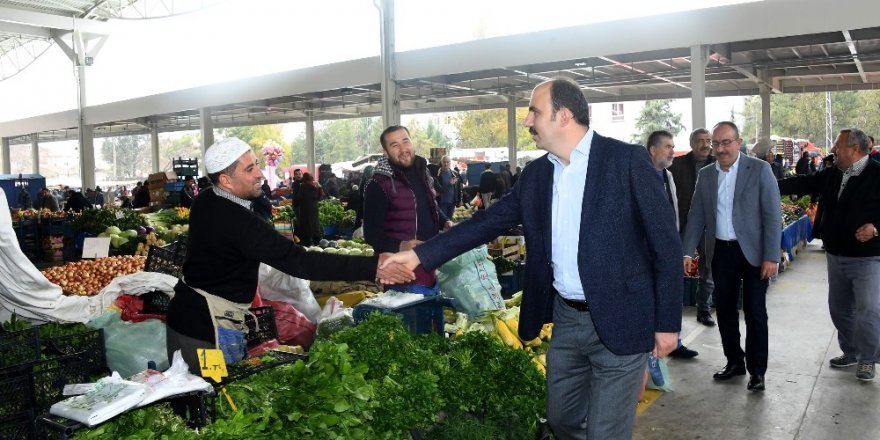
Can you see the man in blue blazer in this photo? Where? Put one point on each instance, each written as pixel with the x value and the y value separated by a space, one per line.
pixel 736 205
pixel 603 263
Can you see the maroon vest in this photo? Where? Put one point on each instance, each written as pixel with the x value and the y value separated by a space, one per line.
pixel 400 221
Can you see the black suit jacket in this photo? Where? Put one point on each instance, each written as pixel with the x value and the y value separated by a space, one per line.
pixel 629 253
pixel 684 173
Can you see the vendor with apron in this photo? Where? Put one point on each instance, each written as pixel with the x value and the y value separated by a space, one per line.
pixel 227 243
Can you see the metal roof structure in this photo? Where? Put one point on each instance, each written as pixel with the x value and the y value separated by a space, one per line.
pixel 818 48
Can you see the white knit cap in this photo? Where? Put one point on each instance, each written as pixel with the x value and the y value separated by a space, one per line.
pixel 222 154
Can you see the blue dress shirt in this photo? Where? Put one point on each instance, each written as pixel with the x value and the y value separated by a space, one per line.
pixel 568 195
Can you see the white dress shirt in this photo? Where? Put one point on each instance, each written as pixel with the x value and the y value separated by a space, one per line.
pixel 724 207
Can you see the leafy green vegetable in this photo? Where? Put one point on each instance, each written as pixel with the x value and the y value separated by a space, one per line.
pixel 331 213
pixel 15 324
pixel 153 422
pixel 96 221
pixel 406 372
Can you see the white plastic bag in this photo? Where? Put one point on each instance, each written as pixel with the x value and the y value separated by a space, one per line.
pixel 470 278
pixel 110 397
pixel 176 380
pixel 279 286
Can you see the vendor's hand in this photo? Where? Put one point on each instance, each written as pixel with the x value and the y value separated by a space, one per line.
pixel 688 264
pixel 768 269
pixel 409 245
pixel 393 272
pixel 865 232
pixel 408 259
pixel 449 224
pixel 664 343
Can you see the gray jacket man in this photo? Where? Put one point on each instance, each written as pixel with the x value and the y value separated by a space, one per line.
pixel 736 205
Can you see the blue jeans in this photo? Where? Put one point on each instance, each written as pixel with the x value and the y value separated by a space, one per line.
pixel 854 303
pixel 591 392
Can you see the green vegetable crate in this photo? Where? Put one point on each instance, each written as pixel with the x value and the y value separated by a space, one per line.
pixel 422 316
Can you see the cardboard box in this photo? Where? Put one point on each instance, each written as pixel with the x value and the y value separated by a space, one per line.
pixel 157 180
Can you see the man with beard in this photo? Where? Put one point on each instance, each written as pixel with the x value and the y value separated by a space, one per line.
pixel 587 205
pixel 400 205
pixel 227 242
pixel 661 148
pixel 736 208
pixel 684 170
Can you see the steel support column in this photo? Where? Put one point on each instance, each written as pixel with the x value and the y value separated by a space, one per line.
pixel 207 127
pixel 699 58
pixel 154 147
pixel 511 133
pixel 765 113
pixel 390 93
pixel 87 156
pixel 6 155
pixel 35 154
pixel 310 144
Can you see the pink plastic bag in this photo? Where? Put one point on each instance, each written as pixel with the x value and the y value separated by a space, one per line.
pixel 294 328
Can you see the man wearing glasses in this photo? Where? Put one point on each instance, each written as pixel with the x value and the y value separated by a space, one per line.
pixel 736 205
pixel 684 171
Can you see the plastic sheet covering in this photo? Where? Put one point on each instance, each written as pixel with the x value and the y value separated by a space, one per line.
pixel 26 292
pixel 131 346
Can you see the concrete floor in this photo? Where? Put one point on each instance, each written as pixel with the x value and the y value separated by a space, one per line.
pixel 805 398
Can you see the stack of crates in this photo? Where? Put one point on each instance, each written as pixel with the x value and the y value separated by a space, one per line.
pixel 33 372
pixel 183 168
pixel 27 230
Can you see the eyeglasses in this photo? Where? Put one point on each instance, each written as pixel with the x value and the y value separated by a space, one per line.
pixel 725 142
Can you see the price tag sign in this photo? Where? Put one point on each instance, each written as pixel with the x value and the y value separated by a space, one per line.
pixel 96 247
pixel 212 364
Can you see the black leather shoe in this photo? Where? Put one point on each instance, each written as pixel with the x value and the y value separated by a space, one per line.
pixel 730 370
pixel 683 353
pixel 756 383
pixel 705 318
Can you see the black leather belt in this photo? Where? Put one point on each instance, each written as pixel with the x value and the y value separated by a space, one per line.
pixel 580 306
pixel 728 243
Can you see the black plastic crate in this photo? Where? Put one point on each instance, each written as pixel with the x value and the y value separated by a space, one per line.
pixel 16 395
pixel 185 167
pixel 17 427
pixel 156 302
pixel 87 348
pixel 49 378
pixel 19 348
pixel 165 260
pixel 56 226
pixel 266 331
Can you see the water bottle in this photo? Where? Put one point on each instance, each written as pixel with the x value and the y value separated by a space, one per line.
pixel 654 370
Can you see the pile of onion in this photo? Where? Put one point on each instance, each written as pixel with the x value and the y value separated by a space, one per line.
pixel 88 277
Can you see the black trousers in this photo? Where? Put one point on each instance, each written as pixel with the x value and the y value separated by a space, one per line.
pixel 729 268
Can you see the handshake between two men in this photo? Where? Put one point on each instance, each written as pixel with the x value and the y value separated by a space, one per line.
pixel 397 268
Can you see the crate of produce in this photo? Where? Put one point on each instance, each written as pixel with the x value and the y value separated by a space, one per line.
pixel 263 329
pixel 16 395
pixel 56 226
pixel 19 348
pixel 87 348
pixel 420 316
pixel 167 260
pixel 50 376
pixel 17 427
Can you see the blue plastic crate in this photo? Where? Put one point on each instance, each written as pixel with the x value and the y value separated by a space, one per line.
pixel 422 316
pixel 175 186
pixel 511 282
